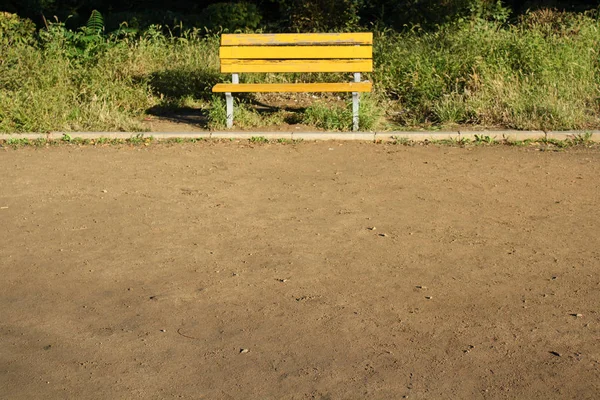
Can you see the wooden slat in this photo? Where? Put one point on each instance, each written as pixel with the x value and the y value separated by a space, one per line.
pixel 292 87
pixel 296 52
pixel 275 39
pixel 240 66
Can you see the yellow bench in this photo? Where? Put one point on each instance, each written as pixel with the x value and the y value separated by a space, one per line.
pixel 291 52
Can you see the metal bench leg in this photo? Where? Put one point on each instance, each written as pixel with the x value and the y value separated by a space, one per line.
pixel 229 101
pixel 235 78
pixel 355 104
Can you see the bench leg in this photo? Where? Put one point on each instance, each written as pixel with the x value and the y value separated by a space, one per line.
pixel 355 104
pixel 229 102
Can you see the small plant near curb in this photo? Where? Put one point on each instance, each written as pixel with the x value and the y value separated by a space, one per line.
pixel 259 139
pixel 483 139
pixel 556 142
pixel 519 143
pixel 137 139
pixel 581 138
pixel 16 143
pixel 403 141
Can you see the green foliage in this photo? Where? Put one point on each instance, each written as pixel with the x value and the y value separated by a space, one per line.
pixel 329 117
pixel 55 85
pixel 15 31
pixel 81 45
pixel 217 114
pixel 543 72
pixel 338 118
pixel 231 16
pixel 243 116
pixel 526 76
pixel 320 15
pixel 95 24
pixel 429 14
pixel 369 113
pixel 258 139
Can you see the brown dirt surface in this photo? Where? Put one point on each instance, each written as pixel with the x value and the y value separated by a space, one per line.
pixel 299 271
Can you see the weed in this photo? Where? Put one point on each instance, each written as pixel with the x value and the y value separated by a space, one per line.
pixel 555 142
pixel 17 142
pixel 404 141
pixel 483 139
pixel 581 138
pixel 39 142
pixel 243 116
pixel 335 117
pixel 328 117
pixel 259 139
pixel 217 113
pixel 137 139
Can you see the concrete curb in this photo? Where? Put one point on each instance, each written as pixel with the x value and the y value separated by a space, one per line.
pixel 415 136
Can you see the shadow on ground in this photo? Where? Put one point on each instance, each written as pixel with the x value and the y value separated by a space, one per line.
pixel 178 88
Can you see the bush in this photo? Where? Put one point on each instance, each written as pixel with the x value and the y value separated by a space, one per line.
pixel 320 15
pixel 231 16
pixel 429 14
pixel 15 31
pixel 54 87
pixel 527 76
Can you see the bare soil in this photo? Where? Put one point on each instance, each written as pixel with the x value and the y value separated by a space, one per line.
pixel 307 271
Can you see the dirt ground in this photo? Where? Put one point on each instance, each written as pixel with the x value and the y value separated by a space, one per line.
pixel 299 271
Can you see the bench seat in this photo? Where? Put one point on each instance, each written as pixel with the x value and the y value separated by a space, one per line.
pixel 292 87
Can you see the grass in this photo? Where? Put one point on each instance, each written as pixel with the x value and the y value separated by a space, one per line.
pixel 533 75
pixel 337 118
pixel 540 73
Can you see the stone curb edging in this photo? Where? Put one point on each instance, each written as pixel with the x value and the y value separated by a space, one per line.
pixel 313 136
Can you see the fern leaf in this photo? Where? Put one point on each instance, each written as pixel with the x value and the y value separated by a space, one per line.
pixel 96 22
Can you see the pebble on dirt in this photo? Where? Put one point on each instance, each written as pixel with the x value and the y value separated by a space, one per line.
pixel 244 351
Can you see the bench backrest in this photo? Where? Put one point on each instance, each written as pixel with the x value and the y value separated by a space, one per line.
pixel 296 52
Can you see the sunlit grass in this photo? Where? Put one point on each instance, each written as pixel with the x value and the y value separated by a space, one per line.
pixel 537 74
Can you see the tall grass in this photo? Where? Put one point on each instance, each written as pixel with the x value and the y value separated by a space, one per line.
pixel 107 85
pixel 541 73
pixel 534 75
pixel 337 118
